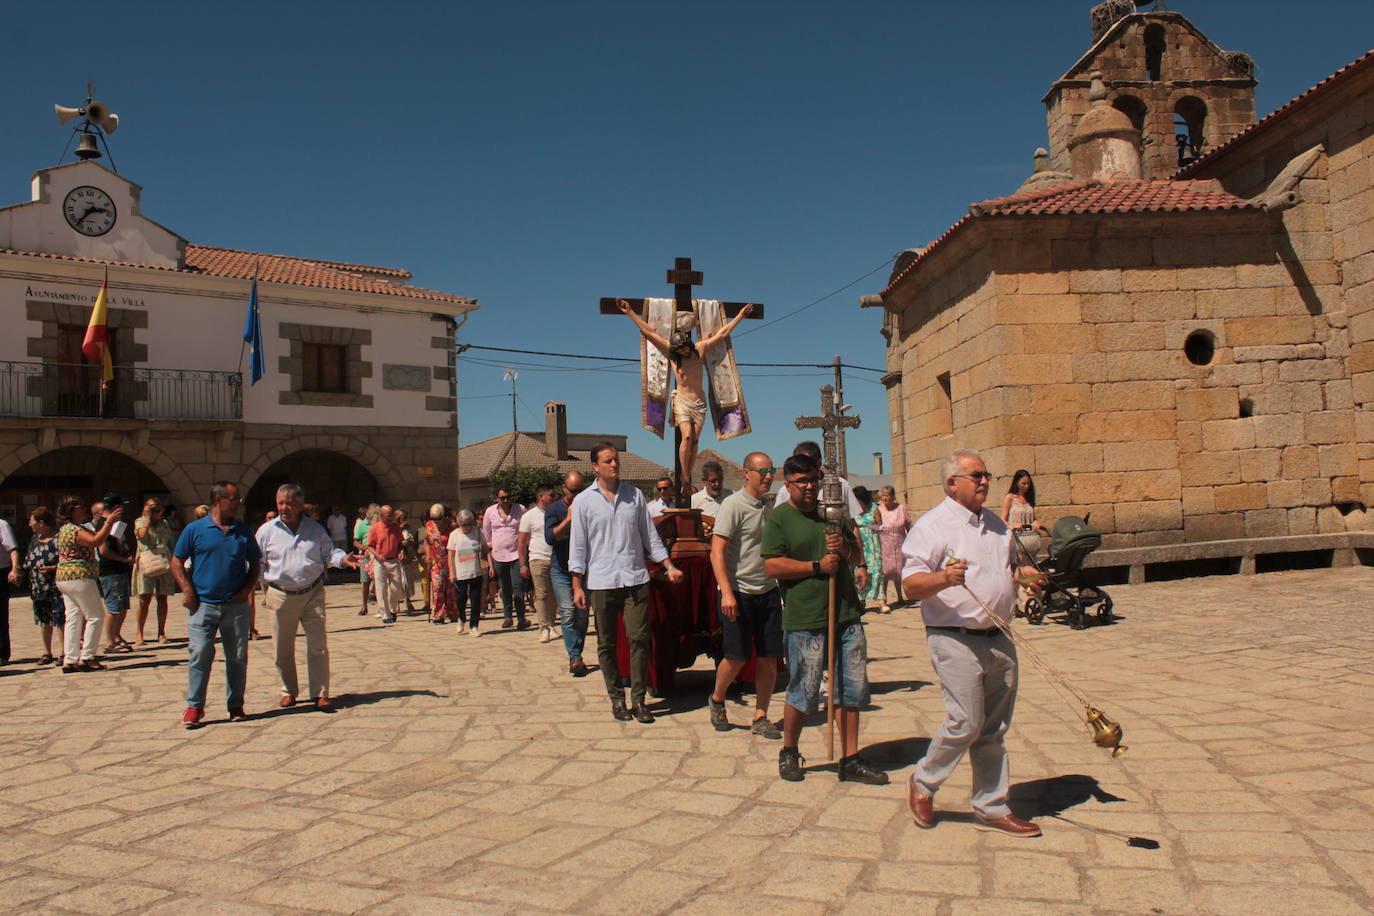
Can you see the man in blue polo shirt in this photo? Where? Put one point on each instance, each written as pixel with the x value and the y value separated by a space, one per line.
pixel 224 571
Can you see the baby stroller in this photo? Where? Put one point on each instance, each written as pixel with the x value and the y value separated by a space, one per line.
pixel 1065 590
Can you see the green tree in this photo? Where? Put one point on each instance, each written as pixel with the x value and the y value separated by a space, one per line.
pixel 522 481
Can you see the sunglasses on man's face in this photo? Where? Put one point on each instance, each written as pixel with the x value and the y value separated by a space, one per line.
pixel 976 476
pixel 664 488
pixel 763 472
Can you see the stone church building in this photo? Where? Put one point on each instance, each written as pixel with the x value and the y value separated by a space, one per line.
pixel 357 402
pixel 1170 323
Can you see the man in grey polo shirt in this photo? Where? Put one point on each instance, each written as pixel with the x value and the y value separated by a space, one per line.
pixel 750 604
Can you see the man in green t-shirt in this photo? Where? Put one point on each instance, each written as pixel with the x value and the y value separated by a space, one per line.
pixel 802 556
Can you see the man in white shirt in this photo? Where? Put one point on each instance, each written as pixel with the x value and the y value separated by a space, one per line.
pixel 296 551
pixel 664 488
pixel 956 551
pixel 612 538
pixel 708 499
pixel 813 451
pixel 9 575
pixel 535 554
pixel 337 526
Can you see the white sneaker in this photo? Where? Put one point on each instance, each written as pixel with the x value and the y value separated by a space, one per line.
pixel 462 628
pixel 545 634
pixel 476 632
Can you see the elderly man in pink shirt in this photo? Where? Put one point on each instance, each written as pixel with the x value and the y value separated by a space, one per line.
pixel 501 528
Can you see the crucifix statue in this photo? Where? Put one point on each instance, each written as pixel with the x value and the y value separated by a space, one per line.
pixel 665 327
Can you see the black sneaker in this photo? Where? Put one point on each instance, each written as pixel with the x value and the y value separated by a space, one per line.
pixel 856 769
pixel 790 763
pixel 719 720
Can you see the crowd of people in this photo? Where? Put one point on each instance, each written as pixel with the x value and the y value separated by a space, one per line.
pixel 584 551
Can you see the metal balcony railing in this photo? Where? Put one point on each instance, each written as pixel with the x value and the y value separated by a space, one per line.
pixel 35 389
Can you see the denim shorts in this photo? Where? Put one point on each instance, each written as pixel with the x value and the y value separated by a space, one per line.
pixel 806 658
pixel 115 590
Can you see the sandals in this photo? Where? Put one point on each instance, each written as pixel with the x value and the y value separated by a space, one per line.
pixel 120 647
pixel 254 634
pixel 45 659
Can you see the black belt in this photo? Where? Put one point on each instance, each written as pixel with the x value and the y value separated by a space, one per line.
pixel 967 631
pixel 296 591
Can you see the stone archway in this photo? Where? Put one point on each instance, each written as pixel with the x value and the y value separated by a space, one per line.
pixel 388 479
pixel 85 471
pixel 329 479
pixel 135 446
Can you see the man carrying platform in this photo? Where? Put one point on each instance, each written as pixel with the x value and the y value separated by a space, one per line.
pixel 750 603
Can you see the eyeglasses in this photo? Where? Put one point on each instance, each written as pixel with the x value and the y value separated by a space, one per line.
pixel 711 480
pixel 763 472
pixel 805 482
pixel 663 488
pixel 975 476
pixel 503 498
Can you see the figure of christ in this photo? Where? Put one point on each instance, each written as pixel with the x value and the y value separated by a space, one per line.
pixel 688 404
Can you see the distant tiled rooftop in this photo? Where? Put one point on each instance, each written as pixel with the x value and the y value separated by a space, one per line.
pixel 282 269
pixel 478 460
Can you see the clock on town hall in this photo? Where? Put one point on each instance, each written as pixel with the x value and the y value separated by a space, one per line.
pixel 89 210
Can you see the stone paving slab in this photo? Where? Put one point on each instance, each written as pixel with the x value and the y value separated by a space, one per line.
pixel 469 775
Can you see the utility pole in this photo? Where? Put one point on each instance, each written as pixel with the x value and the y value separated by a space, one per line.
pixel 840 408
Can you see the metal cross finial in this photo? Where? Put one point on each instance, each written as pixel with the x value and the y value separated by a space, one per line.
pixel 832 426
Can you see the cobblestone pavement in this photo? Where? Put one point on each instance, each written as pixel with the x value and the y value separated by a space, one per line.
pixel 466 775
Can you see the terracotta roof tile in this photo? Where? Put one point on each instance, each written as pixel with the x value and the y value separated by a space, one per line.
pixel 1279 114
pixel 1081 198
pixel 479 459
pixel 276 268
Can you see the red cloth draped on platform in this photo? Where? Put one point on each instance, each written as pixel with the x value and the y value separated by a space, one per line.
pixel 682 618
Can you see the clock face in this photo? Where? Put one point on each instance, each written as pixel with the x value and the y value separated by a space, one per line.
pixel 89 210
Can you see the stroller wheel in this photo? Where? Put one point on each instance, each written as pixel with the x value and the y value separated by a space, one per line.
pixel 1077 618
pixel 1035 611
pixel 1104 612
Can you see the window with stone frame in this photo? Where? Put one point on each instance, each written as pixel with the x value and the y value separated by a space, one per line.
pixel 324 367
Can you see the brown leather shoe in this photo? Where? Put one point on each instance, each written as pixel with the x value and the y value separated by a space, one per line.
pixel 922 807
pixel 323 704
pixel 287 701
pixel 1009 824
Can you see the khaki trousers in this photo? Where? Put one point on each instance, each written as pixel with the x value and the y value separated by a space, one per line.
pixel 305 611
pixel 543 592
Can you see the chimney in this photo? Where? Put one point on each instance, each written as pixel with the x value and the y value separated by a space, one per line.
pixel 878 464
pixel 556 430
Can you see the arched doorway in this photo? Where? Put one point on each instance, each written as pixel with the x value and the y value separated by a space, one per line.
pixel 329 479
pixel 86 471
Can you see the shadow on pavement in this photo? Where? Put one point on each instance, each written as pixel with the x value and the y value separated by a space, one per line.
pixel 1055 795
pixel 894 755
pixel 350 700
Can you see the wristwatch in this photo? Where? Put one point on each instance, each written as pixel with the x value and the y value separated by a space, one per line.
pixel 815 569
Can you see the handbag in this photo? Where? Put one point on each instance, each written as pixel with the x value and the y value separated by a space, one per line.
pixel 152 564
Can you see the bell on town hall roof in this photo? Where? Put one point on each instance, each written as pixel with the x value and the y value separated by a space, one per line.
pixel 97 123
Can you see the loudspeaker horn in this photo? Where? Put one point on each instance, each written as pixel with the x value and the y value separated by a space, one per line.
pixel 65 114
pixel 99 114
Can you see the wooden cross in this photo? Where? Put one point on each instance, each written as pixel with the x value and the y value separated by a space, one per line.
pixel 832 426
pixel 683 278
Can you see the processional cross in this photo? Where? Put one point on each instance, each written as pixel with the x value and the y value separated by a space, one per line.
pixel 832 426
pixel 683 278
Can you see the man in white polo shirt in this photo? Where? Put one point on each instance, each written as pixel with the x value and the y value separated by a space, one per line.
pixel 956 544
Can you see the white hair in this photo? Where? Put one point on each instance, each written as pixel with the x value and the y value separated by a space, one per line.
pixel 950 466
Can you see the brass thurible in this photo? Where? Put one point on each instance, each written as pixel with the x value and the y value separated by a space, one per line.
pixel 1106 732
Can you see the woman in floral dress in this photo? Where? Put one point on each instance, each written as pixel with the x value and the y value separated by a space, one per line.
pixel 40 565
pixel 437 529
pixel 867 525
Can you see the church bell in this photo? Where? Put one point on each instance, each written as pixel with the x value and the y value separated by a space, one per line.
pixel 86 148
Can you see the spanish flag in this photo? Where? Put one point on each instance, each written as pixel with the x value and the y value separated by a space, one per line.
pixel 96 346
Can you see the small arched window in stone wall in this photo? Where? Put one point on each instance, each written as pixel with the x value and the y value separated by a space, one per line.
pixel 1154 51
pixel 1190 127
pixel 1200 347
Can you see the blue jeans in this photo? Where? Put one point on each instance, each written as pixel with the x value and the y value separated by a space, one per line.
pixel 573 621
pixel 806 662
pixel 512 586
pixel 231 620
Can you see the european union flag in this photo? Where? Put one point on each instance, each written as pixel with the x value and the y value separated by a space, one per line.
pixel 252 335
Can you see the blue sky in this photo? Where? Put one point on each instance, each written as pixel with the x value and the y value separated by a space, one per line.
pixel 541 155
